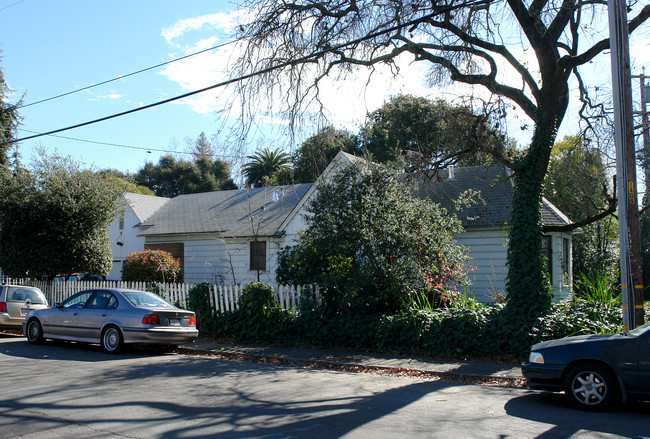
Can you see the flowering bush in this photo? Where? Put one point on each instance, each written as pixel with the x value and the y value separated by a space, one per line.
pixel 151 266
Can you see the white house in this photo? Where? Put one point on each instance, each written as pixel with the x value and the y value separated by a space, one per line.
pixel 124 230
pixel 225 237
pixel 234 236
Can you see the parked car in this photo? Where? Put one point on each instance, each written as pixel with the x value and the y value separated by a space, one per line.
pixel 16 302
pixel 112 318
pixel 594 371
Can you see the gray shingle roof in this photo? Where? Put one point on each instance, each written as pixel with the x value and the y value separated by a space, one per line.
pixel 495 184
pixel 144 205
pixel 227 212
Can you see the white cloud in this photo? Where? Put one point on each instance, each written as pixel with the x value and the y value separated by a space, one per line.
pixel 220 20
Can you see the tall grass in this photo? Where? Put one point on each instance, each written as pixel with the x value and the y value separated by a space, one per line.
pixel 599 288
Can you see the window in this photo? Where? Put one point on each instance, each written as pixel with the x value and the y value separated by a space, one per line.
pixel 547 245
pixel 566 260
pixel 258 255
pixel 121 224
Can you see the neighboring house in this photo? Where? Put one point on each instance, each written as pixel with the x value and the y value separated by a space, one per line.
pixel 486 227
pixel 225 237
pixel 124 232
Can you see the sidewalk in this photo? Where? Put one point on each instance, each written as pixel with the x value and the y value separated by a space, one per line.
pixel 508 373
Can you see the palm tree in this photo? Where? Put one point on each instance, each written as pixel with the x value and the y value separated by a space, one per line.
pixel 265 163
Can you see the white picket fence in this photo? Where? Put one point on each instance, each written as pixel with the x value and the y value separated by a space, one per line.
pixel 223 298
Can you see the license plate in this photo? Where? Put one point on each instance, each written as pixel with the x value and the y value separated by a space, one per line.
pixel 24 312
pixel 174 322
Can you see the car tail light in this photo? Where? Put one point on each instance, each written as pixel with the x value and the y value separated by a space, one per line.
pixel 151 319
pixel 193 321
pixel 3 306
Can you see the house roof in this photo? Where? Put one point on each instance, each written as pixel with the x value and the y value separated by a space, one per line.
pixel 496 187
pixel 234 213
pixel 144 205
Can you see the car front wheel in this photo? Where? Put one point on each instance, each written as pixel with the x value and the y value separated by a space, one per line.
pixel 34 332
pixel 590 386
pixel 112 340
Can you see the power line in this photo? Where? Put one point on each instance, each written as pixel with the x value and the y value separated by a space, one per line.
pixel 257 73
pixel 13 4
pixel 141 148
pixel 219 46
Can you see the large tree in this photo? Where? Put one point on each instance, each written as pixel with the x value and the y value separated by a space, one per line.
pixel 54 220
pixel 172 177
pixel 372 246
pixel 430 133
pixel 313 156
pixel 9 120
pixel 472 43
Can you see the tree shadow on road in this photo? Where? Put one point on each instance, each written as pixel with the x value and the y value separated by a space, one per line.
pixel 554 409
pixel 228 398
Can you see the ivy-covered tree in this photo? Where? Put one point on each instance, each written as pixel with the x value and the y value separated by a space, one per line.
pixel 54 220
pixel 372 246
pixel 172 177
pixel 313 156
pixel 430 133
pixel 477 44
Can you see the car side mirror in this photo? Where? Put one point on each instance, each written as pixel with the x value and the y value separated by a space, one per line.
pixel 57 305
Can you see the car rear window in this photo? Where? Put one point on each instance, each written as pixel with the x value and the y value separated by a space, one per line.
pixel 22 294
pixel 141 298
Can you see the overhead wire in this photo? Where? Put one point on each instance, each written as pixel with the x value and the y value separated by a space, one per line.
pixel 117 78
pixel 256 73
pixel 141 148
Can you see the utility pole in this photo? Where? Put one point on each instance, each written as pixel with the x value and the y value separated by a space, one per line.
pixel 628 211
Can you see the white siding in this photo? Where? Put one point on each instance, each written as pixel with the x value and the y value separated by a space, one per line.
pixel 218 261
pixel 127 237
pixel 488 252
pixel 487 267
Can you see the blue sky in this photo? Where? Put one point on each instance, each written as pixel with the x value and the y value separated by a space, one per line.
pixel 52 47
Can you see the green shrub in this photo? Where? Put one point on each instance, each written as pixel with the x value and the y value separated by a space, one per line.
pixel 151 266
pixel 198 300
pixel 475 330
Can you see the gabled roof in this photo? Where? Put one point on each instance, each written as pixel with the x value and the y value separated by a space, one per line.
pixel 234 213
pixel 341 160
pixel 144 205
pixel 496 186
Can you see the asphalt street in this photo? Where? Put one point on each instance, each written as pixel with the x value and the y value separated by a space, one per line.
pixel 76 391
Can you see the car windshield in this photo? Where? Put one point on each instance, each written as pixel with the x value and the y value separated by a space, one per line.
pixel 141 298
pixel 24 294
pixel 640 330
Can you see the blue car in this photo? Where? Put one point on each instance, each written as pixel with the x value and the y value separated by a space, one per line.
pixel 594 371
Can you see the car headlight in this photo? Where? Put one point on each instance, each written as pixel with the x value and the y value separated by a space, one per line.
pixel 536 357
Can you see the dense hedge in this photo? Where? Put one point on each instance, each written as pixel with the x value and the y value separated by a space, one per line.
pixel 472 332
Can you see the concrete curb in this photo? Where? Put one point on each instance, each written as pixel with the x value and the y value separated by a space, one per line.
pixel 496 381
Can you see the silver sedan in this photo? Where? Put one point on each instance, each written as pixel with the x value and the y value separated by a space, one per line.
pixel 112 318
